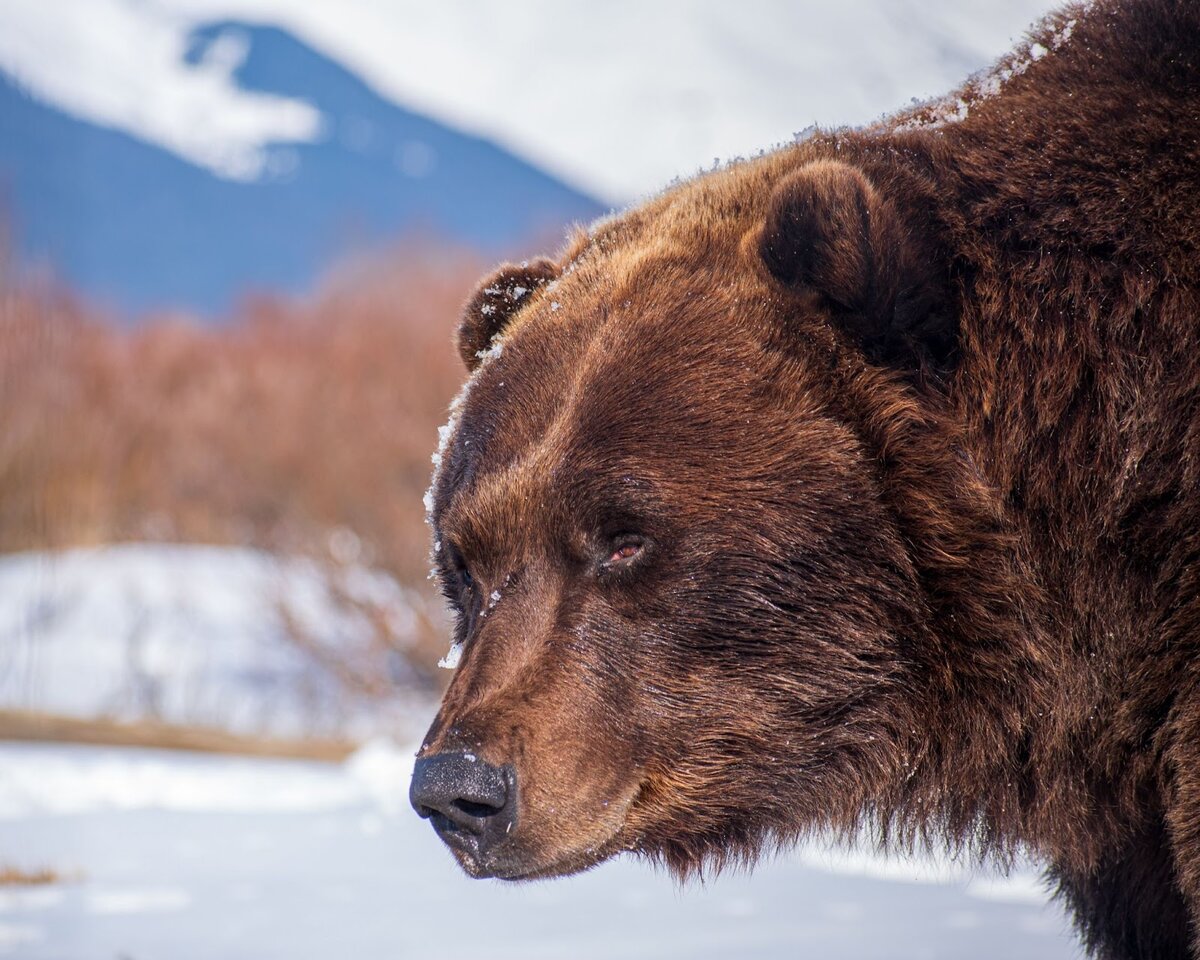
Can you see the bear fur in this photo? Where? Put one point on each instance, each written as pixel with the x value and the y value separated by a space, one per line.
pixel 857 486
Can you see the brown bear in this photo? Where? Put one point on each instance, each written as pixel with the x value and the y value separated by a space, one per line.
pixel 856 486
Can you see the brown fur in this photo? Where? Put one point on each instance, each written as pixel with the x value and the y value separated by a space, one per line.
pixel 906 423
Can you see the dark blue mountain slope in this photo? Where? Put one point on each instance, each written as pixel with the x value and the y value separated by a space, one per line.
pixel 136 227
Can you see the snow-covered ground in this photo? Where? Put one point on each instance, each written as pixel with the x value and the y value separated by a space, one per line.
pixel 192 857
pixel 615 97
pixel 218 636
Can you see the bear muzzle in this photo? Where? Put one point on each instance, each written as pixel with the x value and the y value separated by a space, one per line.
pixel 470 803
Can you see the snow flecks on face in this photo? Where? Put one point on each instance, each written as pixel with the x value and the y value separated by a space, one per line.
pixel 491 352
pixel 515 292
pixel 555 306
pixel 493 599
pixel 452 657
pixel 445 436
pixel 445 432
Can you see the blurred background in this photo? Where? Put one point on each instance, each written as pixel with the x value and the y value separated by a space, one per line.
pixel 234 239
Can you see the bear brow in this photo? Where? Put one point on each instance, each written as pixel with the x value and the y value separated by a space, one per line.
pixel 569 500
pixel 600 501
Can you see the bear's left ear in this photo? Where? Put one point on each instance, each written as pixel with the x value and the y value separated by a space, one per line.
pixel 495 302
pixel 830 230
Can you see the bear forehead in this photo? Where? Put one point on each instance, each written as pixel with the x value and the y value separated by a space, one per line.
pixel 657 347
pixel 576 404
pixel 605 393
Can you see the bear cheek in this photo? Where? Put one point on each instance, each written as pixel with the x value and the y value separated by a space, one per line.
pixel 578 776
pixel 568 823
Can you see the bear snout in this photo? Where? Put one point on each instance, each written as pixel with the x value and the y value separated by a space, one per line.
pixel 471 804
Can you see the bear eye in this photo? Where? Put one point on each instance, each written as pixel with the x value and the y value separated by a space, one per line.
pixel 624 550
pixel 459 567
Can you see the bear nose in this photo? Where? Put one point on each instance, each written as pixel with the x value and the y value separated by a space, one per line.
pixel 470 803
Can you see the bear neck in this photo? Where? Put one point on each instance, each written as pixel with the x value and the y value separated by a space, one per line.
pixel 983 719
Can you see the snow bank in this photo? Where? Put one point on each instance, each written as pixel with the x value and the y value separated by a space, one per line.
pixel 197 634
pixel 36 779
pixel 136 900
pixel 80 780
pixel 1023 884
pixel 192 857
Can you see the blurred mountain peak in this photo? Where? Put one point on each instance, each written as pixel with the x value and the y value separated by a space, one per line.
pixel 140 227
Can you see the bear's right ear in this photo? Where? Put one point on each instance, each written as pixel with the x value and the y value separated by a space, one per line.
pixel 829 230
pixel 495 302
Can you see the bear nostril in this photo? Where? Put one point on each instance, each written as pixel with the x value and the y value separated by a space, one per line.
pixel 474 809
pixel 464 797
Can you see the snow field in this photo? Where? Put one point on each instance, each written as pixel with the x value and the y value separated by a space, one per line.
pixel 192 857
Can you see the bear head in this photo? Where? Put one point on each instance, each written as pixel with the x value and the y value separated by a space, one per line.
pixel 686 545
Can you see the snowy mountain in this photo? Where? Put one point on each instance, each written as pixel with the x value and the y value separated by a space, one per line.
pixel 137 226
pixel 615 98
pixel 160 159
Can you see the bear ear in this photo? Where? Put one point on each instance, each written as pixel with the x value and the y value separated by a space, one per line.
pixel 830 230
pixel 495 302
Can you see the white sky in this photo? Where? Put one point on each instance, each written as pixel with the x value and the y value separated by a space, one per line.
pixel 615 97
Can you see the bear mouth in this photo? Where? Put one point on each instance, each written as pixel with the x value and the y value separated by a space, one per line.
pixel 573 863
pixel 466 847
pixel 512 862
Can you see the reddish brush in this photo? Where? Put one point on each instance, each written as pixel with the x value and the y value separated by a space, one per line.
pixel 287 422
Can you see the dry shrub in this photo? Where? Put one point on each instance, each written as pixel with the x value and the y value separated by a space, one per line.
pixel 37 877
pixel 290 424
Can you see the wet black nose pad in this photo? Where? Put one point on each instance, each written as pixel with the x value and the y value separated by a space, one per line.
pixel 459 793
